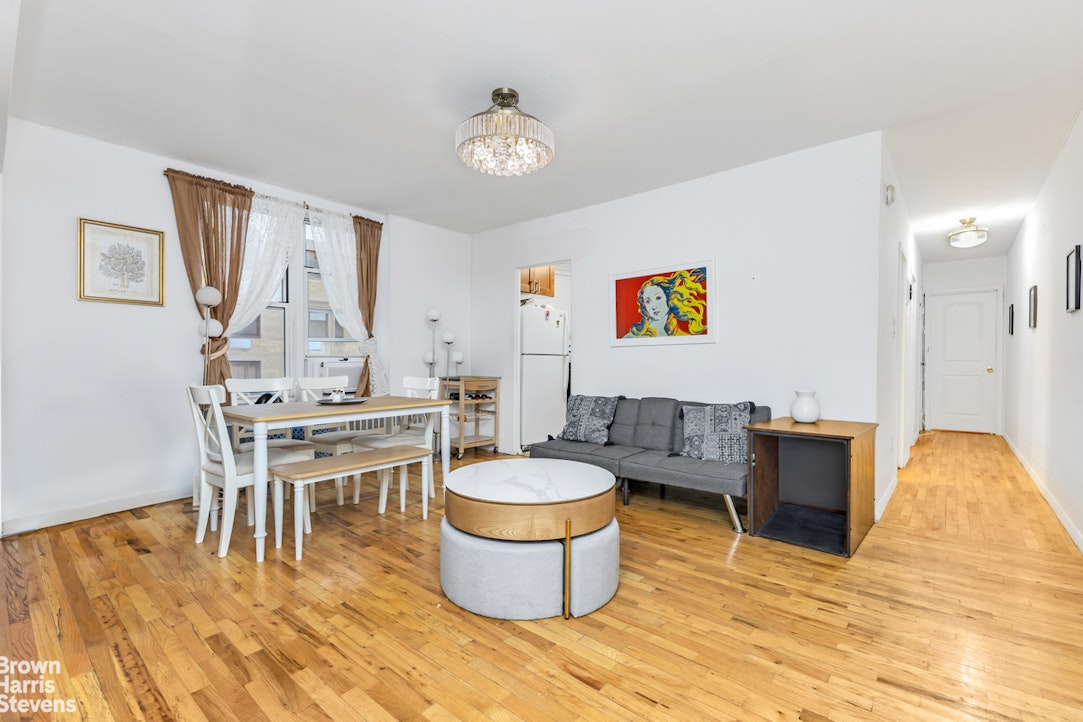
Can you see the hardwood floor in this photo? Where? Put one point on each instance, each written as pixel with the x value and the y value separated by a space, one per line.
pixel 964 602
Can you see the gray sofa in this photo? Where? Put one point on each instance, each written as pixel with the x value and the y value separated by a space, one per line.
pixel 644 443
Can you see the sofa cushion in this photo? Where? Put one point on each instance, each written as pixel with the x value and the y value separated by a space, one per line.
pixel 606 457
pixel 622 432
pixel 588 418
pixel 683 471
pixel 757 413
pixel 716 432
pixel 654 425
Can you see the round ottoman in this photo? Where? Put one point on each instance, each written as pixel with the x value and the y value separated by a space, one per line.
pixel 525 579
pixel 529 538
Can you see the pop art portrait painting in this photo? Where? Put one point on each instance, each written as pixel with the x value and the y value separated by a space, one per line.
pixel 662 306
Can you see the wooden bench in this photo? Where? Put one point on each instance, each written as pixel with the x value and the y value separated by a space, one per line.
pixel 311 471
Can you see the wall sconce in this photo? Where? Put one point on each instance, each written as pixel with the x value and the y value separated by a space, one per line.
pixel 448 338
pixel 430 356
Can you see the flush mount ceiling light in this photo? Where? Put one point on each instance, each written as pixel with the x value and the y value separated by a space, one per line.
pixel 504 140
pixel 968 235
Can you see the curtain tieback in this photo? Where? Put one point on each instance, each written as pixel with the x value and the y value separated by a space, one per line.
pixel 377 376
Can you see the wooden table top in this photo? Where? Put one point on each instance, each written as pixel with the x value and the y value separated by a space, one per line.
pixel 300 410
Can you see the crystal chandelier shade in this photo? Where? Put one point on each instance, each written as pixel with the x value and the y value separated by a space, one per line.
pixel 504 140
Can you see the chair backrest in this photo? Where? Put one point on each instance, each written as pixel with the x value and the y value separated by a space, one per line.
pixel 251 391
pixel 420 387
pixel 211 430
pixel 312 387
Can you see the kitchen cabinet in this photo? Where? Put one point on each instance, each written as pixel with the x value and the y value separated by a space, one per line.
pixel 475 409
pixel 812 485
pixel 539 280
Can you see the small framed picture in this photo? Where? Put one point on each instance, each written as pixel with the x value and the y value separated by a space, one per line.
pixel 1032 308
pixel 1011 319
pixel 120 264
pixel 1071 280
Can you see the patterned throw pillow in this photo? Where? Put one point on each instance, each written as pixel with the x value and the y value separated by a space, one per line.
pixel 716 432
pixel 589 417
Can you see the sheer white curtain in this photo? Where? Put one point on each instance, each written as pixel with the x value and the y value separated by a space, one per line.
pixel 275 228
pixel 336 248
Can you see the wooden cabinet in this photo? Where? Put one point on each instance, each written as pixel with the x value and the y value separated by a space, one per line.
pixel 540 280
pixel 812 485
pixel 475 409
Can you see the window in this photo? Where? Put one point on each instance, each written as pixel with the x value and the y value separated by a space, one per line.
pixel 251 331
pixel 246 369
pixel 261 348
pixel 326 336
pixel 265 350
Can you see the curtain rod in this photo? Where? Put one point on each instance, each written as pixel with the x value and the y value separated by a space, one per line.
pixel 215 181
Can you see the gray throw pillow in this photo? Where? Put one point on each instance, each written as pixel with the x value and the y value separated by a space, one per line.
pixel 716 432
pixel 588 418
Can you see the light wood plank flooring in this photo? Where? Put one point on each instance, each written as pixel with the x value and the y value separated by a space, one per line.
pixel 964 602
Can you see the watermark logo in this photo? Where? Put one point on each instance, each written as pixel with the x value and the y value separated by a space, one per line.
pixel 30 686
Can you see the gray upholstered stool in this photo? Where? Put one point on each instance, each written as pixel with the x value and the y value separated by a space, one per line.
pixel 525 579
pixel 595 569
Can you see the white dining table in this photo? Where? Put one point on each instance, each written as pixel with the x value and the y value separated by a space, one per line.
pixel 266 418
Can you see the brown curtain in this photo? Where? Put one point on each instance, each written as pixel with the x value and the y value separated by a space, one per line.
pixel 368 255
pixel 212 221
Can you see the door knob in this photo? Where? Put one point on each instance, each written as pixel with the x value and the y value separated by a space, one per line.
pixel 989 370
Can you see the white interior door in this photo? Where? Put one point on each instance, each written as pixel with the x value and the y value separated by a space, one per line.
pixel 961 373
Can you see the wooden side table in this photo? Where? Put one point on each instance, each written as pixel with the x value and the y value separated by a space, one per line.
pixel 812 485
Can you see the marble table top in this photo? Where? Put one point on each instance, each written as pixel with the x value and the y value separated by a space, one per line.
pixel 528 481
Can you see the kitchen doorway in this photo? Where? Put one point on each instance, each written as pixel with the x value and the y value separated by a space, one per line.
pixel 545 351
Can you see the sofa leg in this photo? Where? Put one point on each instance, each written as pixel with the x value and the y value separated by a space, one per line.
pixel 733 514
pixel 661 491
pixel 624 486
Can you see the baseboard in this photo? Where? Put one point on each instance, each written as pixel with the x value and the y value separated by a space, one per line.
pixel 1066 521
pixel 882 502
pixel 11 527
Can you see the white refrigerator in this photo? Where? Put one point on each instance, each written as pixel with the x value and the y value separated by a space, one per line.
pixel 543 373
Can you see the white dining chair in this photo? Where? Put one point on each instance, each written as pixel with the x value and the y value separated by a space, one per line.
pixel 331 438
pixel 411 432
pixel 262 391
pixel 221 470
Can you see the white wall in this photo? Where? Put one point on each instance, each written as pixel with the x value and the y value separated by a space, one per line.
pixel 1 348
pixel 428 267
pixel 966 275
pixel 1044 386
pixel 795 246
pixel 897 385
pixel 94 415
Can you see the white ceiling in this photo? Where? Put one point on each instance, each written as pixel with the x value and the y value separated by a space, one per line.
pixel 358 102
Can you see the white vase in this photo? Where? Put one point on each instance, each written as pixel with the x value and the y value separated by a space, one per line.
pixel 805 409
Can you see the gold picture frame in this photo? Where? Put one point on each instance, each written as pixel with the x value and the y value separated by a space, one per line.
pixel 121 264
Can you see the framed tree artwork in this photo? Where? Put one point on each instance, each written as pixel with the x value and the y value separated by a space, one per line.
pixel 120 264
